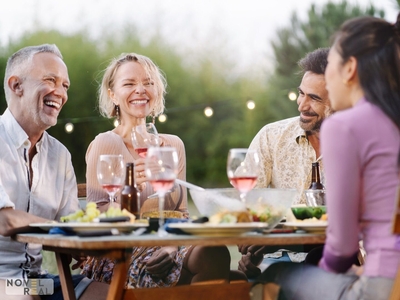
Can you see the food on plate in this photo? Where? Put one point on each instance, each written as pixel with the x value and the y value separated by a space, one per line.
pixel 231 217
pixel 308 212
pixel 324 217
pixel 167 214
pixel 117 212
pixel 91 212
pixel 262 212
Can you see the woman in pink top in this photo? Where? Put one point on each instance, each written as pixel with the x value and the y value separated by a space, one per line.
pixel 133 89
pixel 361 150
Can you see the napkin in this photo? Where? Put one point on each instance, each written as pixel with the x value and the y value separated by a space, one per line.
pixel 63 231
pixel 179 231
pixel 174 230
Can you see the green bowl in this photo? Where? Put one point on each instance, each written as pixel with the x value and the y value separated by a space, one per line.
pixel 308 212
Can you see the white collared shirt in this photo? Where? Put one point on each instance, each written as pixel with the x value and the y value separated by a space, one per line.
pixel 53 192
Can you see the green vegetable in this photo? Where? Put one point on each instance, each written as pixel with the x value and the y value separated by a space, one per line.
pixel 308 212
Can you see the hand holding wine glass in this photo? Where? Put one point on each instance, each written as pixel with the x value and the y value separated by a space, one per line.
pixel 242 169
pixel 161 167
pixel 143 137
pixel 111 173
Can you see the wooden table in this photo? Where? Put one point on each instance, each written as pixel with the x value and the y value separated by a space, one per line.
pixel 119 247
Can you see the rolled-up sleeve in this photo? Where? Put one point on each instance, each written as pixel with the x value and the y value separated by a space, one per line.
pixel 5 199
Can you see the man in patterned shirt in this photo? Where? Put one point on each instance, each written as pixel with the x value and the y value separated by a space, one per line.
pixel 287 149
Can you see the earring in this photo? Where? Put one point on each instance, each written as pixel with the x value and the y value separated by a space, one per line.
pixel 346 82
pixel 153 116
pixel 117 114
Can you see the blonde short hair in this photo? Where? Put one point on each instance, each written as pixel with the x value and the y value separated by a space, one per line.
pixel 106 105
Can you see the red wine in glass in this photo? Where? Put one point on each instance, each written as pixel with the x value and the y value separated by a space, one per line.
pixel 162 185
pixel 111 188
pixel 142 152
pixel 111 173
pixel 243 184
pixel 242 170
pixel 161 167
pixel 144 136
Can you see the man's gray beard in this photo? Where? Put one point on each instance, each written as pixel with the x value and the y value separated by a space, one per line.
pixel 311 126
pixel 38 120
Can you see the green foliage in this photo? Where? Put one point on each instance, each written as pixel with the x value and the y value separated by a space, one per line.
pixel 303 36
pixel 195 80
pixel 191 87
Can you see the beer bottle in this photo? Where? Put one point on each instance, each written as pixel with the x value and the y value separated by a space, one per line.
pixel 315 177
pixel 130 194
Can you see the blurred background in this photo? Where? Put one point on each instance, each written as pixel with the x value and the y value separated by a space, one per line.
pixel 231 66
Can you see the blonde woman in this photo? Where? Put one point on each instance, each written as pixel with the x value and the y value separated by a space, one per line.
pixel 133 89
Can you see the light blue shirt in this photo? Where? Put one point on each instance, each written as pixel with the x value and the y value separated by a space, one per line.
pixel 53 192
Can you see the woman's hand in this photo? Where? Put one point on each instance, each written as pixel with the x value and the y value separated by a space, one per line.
pixel 162 261
pixel 140 174
pixel 80 261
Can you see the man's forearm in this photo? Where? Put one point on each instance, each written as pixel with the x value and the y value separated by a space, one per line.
pixel 12 219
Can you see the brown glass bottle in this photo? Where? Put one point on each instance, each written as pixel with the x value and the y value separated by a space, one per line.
pixel 315 178
pixel 130 194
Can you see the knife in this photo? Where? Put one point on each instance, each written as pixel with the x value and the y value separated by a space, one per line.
pixel 112 219
pixel 106 232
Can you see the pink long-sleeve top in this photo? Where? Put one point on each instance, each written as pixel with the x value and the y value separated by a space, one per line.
pixel 360 147
pixel 111 143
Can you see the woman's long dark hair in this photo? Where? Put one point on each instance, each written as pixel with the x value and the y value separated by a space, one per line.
pixel 375 44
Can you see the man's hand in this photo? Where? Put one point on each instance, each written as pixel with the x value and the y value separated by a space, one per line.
pixel 248 265
pixel 13 220
pixel 162 261
pixel 256 250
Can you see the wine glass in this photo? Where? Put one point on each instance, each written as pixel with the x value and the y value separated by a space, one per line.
pixel 111 173
pixel 143 137
pixel 161 167
pixel 242 169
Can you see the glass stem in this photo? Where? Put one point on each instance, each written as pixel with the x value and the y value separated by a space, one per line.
pixel 161 200
pixel 243 197
pixel 111 198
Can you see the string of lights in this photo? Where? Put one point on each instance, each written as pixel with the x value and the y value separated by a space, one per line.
pixel 208 110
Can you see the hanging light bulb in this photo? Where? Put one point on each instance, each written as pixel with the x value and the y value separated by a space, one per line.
pixel 208 111
pixel 69 127
pixel 292 96
pixel 162 118
pixel 250 104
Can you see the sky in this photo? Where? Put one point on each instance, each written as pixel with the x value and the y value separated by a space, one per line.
pixel 244 27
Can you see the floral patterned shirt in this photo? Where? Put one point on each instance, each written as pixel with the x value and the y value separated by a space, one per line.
pixel 285 157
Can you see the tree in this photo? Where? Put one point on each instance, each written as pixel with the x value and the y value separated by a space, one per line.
pixel 192 86
pixel 301 37
pixel 203 80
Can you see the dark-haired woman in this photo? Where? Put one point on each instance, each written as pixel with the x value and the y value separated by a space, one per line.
pixel 360 145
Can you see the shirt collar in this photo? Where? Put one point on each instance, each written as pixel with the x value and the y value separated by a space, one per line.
pixel 17 135
pixel 300 135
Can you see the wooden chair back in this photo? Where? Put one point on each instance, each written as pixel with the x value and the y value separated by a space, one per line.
pixel 395 294
pixel 205 290
pixel 81 190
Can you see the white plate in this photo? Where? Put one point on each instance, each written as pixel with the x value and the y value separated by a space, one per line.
pixel 309 226
pixel 207 229
pixel 82 227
